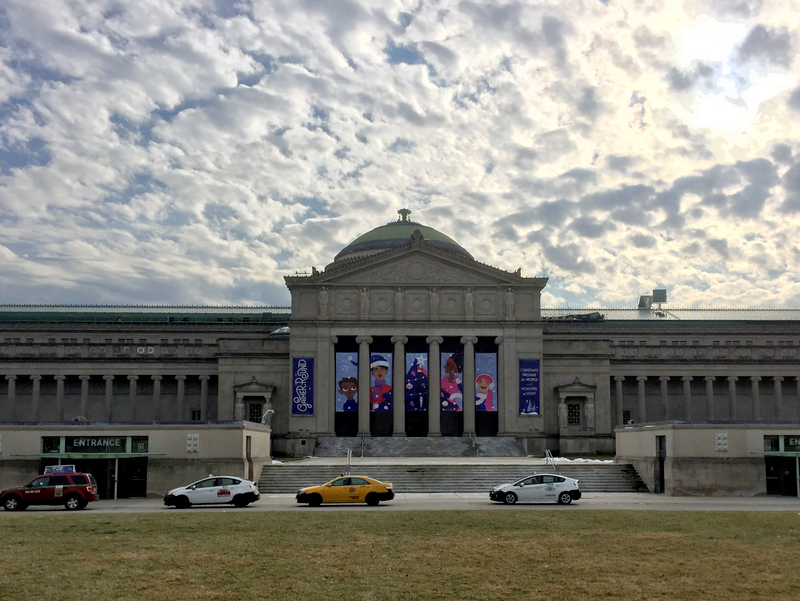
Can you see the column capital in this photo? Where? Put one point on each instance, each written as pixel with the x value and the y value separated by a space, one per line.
pixel 12 378
pixel 733 378
pixel 663 378
pixel 396 339
pixel 687 378
pixel 107 378
pixel 777 378
pixel 85 377
pixel 180 378
pixel 439 340
pixel 204 377
pixel 156 378
pixel 498 341
pixel 619 378
pixel 710 378
pixel 133 378
pixel 334 339
pixel 364 339
pixel 469 340
pixel 36 378
pixel 59 378
pixel 755 378
pixel 641 378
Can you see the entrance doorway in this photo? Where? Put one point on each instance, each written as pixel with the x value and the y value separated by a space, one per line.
pixel 781 476
pixel 661 457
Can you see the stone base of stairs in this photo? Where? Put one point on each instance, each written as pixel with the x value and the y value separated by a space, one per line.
pixel 480 446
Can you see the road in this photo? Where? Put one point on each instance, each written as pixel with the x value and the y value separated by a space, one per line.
pixel 471 501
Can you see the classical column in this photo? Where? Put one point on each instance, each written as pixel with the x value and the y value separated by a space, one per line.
pixel 204 397
pixel 181 393
pixel 665 395
pixel 60 397
pixel 157 396
pixel 754 380
pixel 84 396
pixel 618 380
pixel 109 397
pixel 687 398
pixel 778 397
pixel 12 393
pixel 642 401
pixel 710 398
pixel 732 397
pixel 434 386
pixel 35 394
pixel 132 396
pixel 469 383
pixel 399 385
pixel 363 383
pixel 501 394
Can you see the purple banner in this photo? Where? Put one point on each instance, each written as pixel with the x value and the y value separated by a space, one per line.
pixel 529 387
pixel 302 385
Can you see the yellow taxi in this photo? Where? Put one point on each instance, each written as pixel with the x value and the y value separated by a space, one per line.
pixel 347 489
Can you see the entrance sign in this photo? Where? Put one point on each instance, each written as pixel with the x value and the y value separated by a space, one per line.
pixel 94 444
pixel 791 443
pixel 529 393
pixel 302 385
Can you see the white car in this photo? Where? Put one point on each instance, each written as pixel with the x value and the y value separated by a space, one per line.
pixel 212 490
pixel 536 488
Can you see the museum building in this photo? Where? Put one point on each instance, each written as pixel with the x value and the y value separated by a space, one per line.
pixel 403 334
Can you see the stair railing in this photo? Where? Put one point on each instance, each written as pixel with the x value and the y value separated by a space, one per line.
pixel 550 461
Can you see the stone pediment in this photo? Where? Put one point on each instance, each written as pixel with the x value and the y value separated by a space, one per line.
pixel 418 268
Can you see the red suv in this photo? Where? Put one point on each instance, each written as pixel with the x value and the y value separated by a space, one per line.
pixel 60 485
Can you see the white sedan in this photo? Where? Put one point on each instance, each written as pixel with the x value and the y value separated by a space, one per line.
pixel 212 490
pixel 537 488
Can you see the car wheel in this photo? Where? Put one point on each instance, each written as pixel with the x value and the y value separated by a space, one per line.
pixel 13 503
pixel 509 498
pixel 372 500
pixel 74 502
pixel 240 502
pixel 565 498
pixel 314 500
pixel 182 502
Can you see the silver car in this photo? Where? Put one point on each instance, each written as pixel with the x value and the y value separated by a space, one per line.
pixel 213 490
pixel 538 488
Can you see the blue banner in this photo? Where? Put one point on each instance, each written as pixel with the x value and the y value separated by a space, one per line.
pixel 302 385
pixel 529 386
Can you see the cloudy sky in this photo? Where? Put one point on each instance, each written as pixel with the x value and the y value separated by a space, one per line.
pixel 196 151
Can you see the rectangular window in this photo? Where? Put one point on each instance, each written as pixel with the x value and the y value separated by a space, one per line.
pixel 771 444
pixel 196 417
pixel 626 417
pixel 51 444
pixel 573 414
pixel 255 412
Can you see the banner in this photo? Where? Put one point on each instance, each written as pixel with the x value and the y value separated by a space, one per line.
pixel 416 381
pixel 452 387
pixel 529 386
pixel 302 385
pixel 380 392
pixel 485 381
pixel 346 385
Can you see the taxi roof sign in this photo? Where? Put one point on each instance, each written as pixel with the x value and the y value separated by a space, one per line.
pixel 59 469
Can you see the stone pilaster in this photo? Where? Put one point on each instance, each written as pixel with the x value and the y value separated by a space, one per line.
pixel 157 396
pixel 642 399
pixel 754 380
pixel 132 396
pixel 84 395
pixel 687 397
pixel 732 397
pixel 181 396
pixel 710 398
pixel 60 397
pixel 109 400
pixel 618 380
pixel 35 396
pixel 664 380
pixel 204 397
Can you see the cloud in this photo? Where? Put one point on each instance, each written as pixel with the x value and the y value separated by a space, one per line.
pixel 767 45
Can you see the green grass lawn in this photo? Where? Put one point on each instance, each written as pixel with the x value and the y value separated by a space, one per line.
pixel 366 555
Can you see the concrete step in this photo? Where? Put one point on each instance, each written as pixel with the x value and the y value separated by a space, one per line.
pixel 443 478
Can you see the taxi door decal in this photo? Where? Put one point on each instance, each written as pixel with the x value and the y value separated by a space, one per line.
pixel 223 492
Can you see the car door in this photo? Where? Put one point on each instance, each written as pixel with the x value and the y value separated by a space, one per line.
pixel 226 489
pixel 551 486
pixel 527 489
pixel 359 488
pixel 39 492
pixel 338 491
pixel 205 491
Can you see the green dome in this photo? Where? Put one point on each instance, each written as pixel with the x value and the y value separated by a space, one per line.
pixel 394 234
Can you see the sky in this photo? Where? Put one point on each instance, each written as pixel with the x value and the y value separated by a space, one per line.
pixel 195 152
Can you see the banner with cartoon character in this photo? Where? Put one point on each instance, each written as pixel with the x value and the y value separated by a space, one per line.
pixel 416 381
pixel 380 393
pixel 485 379
pixel 529 387
pixel 346 382
pixel 452 387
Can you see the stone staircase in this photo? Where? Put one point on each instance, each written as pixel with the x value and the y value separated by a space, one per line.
pixel 452 478
pixel 445 446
